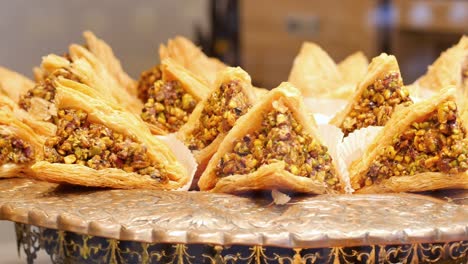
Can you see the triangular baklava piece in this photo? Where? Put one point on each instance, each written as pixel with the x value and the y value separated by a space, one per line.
pixel 314 72
pixel 376 97
pixel 215 115
pixel 104 53
pixel 274 146
pixel 187 54
pixel 99 145
pixel 20 146
pixel 13 84
pixel 422 147
pixel 170 93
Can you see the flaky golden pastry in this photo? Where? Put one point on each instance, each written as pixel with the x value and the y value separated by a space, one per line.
pixel 105 54
pixel 13 84
pixel 377 95
pixel 422 147
pixel 40 100
pixel 187 54
pixel 216 114
pixel 353 68
pixel 273 146
pixel 170 93
pixel 99 76
pixel 447 69
pixel 314 72
pixel 20 146
pixel 99 145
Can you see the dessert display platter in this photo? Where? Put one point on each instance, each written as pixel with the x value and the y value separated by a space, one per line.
pixel 144 226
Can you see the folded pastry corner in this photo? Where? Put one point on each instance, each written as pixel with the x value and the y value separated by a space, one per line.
pixel 377 96
pixel 447 69
pixel 314 72
pixel 422 147
pixel 105 54
pixel 273 146
pixel 95 74
pixel 187 54
pixel 99 145
pixel 353 68
pixel 20 146
pixel 170 93
pixel 213 117
pixel 13 84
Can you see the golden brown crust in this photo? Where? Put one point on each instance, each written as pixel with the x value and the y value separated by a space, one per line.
pixel 418 183
pixel 202 156
pixel 105 54
pixel 13 84
pixel 94 73
pixel 379 67
pixel 187 54
pixel 122 122
pixel 399 122
pixel 446 70
pixel 271 176
pixel 314 72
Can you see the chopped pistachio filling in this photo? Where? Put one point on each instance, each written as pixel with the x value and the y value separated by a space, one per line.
pixel 377 103
pixel 222 109
pixel 45 89
pixel 280 138
pixel 435 144
pixel 168 105
pixel 15 150
pixel 79 141
pixel 147 80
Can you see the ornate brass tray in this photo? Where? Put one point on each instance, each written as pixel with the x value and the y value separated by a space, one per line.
pixel 310 229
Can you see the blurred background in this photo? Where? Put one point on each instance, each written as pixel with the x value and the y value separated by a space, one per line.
pixel 262 36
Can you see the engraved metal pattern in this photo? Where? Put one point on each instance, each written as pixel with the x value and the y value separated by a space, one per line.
pixel 67 247
pixel 207 218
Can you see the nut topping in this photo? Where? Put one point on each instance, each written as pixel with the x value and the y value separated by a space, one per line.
pixel 96 146
pixel 435 144
pixel 168 105
pixel 280 138
pixel 15 150
pixel 222 109
pixel 377 103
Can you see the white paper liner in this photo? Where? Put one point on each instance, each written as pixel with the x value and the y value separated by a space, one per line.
pixel 356 143
pixel 183 155
pixel 332 138
pixel 322 119
pixel 327 107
